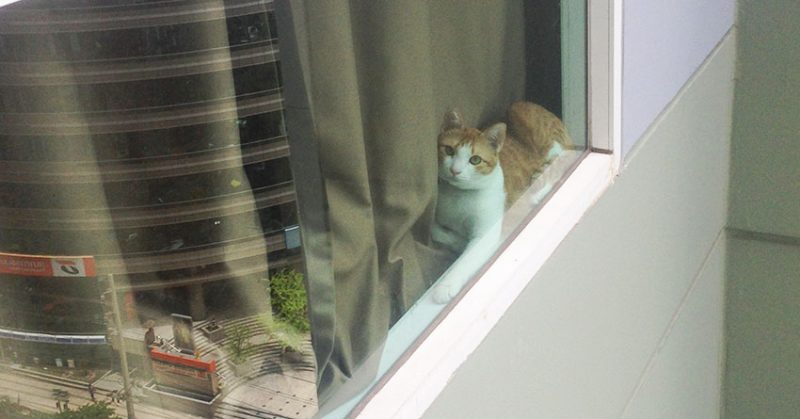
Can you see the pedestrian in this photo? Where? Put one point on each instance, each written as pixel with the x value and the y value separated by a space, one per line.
pixel 91 391
pixel 58 405
pixel 66 405
pixel 113 395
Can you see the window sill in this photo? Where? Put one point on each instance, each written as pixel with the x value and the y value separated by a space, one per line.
pixel 420 375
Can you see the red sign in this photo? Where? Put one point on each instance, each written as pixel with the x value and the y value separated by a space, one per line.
pixel 36 265
pixel 210 366
pixel 185 373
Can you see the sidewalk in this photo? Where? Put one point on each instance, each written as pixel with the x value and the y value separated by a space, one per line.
pixel 289 394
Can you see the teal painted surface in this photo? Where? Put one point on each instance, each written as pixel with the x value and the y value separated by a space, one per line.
pixel 765 183
pixel 762 378
pixel 580 339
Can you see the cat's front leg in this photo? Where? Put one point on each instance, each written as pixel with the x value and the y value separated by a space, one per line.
pixel 447 238
pixel 477 252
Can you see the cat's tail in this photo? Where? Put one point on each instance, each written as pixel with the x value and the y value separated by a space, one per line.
pixel 536 128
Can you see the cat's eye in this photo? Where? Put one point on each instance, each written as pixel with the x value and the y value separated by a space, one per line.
pixel 449 150
pixel 475 160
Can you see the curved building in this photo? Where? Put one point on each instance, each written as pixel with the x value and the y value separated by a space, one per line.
pixel 150 135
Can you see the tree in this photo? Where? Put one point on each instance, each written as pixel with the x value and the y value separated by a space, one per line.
pixel 238 343
pixel 96 410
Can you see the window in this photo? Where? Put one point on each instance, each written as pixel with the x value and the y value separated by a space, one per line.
pixel 447 344
pixel 213 201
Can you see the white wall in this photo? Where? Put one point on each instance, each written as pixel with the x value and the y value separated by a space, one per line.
pixel 626 318
pixel 664 42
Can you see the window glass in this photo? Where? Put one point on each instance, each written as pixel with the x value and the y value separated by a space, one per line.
pixel 222 208
pixel 140 42
pixel 149 93
pixel 158 191
pixel 59 306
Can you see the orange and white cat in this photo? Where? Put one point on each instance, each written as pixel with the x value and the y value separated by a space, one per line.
pixel 481 173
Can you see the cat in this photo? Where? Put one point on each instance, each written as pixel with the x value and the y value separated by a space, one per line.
pixel 482 173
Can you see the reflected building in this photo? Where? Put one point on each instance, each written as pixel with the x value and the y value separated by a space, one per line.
pixel 150 135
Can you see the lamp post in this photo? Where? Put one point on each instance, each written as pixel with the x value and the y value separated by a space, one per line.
pixel 123 354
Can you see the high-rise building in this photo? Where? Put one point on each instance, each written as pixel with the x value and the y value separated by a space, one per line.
pixel 149 135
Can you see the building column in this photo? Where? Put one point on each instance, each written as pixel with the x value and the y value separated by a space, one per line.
pixel 197 305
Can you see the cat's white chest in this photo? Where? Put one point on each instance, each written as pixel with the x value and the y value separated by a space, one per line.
pixel 468 221
pixel 458 209
pixel 465 214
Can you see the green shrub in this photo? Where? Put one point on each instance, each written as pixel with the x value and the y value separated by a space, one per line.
pixel 287 336
pixel 289 299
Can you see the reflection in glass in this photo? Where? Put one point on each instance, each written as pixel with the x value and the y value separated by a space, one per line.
pixel 153 146
pixel 294 197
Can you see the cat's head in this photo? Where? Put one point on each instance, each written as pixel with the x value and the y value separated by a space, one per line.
pixel 468 156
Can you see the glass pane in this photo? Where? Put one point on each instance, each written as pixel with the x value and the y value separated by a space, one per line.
pixel 422 145
pixel 240 208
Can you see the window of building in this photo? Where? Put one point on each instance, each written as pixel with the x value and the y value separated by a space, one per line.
pixel 268 208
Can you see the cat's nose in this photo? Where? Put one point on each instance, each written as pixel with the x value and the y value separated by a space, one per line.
pixel 455 172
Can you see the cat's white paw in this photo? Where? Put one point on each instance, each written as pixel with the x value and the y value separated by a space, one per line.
pixel 539 196
pixel 443 293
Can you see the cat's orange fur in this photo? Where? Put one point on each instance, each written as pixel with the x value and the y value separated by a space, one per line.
pixel 532 130
pixel 523 143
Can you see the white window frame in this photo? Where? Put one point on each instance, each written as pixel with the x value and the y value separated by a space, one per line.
pixel 419 375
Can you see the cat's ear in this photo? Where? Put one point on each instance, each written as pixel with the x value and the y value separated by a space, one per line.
pixel 496 135
pixel 452 120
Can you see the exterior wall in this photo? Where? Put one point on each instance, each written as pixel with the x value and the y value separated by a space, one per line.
pixel 626 318
pixel 765 193
pixel 762 377
pixel 664 42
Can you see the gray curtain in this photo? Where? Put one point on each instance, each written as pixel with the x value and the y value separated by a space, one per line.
pixel 367 83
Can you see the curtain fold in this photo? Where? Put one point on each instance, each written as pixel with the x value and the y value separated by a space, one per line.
pixel 367 83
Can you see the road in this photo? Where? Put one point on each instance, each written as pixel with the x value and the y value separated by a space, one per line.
pixel 36 394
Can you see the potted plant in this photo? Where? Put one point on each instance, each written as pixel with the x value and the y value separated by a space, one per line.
pixel 239 349
pixel 213 331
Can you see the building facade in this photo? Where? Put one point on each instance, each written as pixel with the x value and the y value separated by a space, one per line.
pixel 149 135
